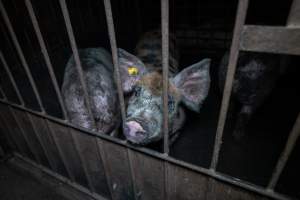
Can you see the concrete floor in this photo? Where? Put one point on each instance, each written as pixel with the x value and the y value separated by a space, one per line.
pixel 15 185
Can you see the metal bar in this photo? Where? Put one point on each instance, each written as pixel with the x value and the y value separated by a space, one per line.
pixel 101 153
pixel 198 169
pixel 21 55
pixel 165 64
pixel 40 141
pixel 233 57
pixel 3 94
pixel 11 78
pixel 270 39
pixel 68 24
pixel 60 178
pixel 291 142
pixel 9 135
pixel 81 159
pixel 46 55
pixel 60 151
pixel 294 15
pixel 129 156
pixel 113 44
pixel 20 127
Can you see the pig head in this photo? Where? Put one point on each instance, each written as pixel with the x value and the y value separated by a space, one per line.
pixel 144 113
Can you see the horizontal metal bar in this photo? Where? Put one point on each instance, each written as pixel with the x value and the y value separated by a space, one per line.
pixel 60 178
pixel 46 56
pixel 233 57
pixel 113 44
pixel 294 15
pixel 198 169
pixel 68 24
pixel 11 78
pixel 291 142
pixel 271 39
pixel 21 55
pixel 165 64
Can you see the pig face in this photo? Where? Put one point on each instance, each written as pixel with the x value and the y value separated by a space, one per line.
pixel 144 113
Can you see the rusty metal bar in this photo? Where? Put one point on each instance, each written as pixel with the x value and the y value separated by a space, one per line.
pixel 294 15
pixel 60 178
pixel 165 64
pixel 198 169
pixel 20 127
pixel 60 151
pixel 271 39
pixel 101 153
pixel 11 78
pixel 46 55
pixel 68 24
pixel 81 159
pixel 40 141
pixel 233 57
pixel 291 142
pixel 113 44
pixel 21 55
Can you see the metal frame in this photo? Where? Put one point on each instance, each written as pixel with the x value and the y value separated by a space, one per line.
pixel 240 42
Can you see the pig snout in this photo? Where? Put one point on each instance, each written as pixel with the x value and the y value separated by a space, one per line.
pixel 134 132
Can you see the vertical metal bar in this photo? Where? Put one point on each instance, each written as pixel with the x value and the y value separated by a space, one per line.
pixel 40 141
pixel 46 55
pixel 291 142
pixel 233 58
pixel 294 15
pixel 76 144
pixel 100 151
pixel 60 151
pixel 113 44
pixel 21 55
pixel 11 78
pixel 3 94
pixel 165 63
pixel 68 24
pixel 20 127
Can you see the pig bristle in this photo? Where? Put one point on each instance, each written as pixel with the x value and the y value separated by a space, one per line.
pixel 154 82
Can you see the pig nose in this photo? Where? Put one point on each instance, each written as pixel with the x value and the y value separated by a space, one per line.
pixel 134 132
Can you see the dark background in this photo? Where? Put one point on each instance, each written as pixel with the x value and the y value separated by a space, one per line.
pixel 203 29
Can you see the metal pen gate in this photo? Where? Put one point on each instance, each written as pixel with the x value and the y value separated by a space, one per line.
pixel 102 166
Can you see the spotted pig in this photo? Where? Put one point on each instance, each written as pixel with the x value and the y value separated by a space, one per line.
pixel 255 77
pixel 98 75
pixel 144 113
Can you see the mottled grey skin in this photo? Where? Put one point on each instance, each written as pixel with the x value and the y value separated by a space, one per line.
pixel 255 78
pixel 98 74
pixel 144 115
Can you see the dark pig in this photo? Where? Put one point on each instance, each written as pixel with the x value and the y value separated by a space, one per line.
pixel 255 77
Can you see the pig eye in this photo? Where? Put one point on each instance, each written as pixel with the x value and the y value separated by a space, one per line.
pixel 137 91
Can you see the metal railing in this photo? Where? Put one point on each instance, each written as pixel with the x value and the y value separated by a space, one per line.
pixel 242 40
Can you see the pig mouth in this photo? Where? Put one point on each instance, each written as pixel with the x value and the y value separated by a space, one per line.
pixel 135 131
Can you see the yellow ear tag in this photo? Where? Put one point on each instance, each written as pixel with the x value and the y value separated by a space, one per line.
pixel 133 71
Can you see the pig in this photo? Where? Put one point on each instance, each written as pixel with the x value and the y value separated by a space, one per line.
pixel 255 77
pixel 102 93
pixel 144 113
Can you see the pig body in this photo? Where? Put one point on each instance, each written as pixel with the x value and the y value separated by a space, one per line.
pixel 255 77
pixel 98 75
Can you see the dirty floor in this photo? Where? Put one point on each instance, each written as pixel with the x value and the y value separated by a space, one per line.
pixel 15 185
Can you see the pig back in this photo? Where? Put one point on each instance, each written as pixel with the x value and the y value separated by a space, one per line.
pixel 98 75
pixel 149 50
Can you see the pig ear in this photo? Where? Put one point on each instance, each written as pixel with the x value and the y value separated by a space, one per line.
pixel 131 69
pixel 193 83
